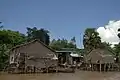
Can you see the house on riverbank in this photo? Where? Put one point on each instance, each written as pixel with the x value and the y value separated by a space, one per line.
pixel 68 57
pixel 99 59
pixel 32 56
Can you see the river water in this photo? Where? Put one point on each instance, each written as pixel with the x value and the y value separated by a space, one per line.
pixel 79 75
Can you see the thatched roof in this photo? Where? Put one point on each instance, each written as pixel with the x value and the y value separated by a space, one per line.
pixel 99 56
pixel 32 41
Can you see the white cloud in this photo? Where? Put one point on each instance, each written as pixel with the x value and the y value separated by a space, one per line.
pixel 109 32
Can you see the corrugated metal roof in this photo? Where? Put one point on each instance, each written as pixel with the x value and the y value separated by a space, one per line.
pixel 65 51
pixel 75 55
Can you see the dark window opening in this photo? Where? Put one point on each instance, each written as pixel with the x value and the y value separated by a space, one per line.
pixel 11 58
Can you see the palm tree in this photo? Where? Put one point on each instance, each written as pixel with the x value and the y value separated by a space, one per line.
pixel 117 47
pixel 119 33
pixel 91 39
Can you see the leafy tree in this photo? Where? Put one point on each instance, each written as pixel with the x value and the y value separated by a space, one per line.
pixel 117 48
pixel 41 34
pixel 73 40
pixel 91 39
pixel 61 43
pixel 72 44
pixel 8 39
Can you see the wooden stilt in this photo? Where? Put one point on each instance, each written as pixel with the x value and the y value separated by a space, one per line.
pixel 56 69
pixel 112 66
pixel 104 67
pixel 109 66
pixel 92 67
pixel 100 67
pixel 85 66
pixel 47 70
pixel 34 69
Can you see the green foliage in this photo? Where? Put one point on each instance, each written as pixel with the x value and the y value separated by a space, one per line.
pixel 117 46
pixel 117 49
pixel 11 37
pixel 61 43
pixel 3 55
pixel 8 39
pixel 41 34
pixel 91 39
pixel 72 43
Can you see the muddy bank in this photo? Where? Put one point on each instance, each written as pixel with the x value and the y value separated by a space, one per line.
pixel 79 75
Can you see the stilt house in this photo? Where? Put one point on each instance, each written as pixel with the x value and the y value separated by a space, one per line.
pixel 33 54
pixel 99 59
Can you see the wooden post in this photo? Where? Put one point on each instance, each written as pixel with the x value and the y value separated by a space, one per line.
pixel 25 57
pixel 56 69
pixel 87 67
pixel 66 57
pixel 100 67
pixel 104 67
pixel 112 66
pixel 92 67
pixel 34 69
pixel 25 68
pixel 108 66
pixel 47 70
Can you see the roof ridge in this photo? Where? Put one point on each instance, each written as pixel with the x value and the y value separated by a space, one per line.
pixel 26 43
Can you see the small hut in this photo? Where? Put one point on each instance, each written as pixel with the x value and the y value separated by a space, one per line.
pixel 32 56
pixel 99 59
pixel 69 57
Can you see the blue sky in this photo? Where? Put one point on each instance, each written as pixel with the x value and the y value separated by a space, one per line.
pixel 63 18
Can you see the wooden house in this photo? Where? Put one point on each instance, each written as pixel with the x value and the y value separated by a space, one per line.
pixel 33 55
pixel 68 57
pixel 64 57
pixel 99 59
